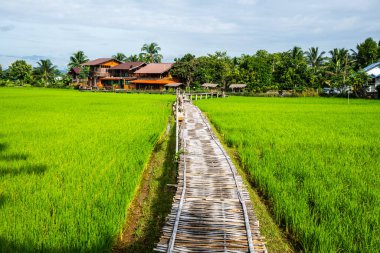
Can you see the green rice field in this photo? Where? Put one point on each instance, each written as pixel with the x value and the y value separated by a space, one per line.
pixel 315 160
pixel 70 164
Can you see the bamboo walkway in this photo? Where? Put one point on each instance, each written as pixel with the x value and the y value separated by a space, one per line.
pixel 211 210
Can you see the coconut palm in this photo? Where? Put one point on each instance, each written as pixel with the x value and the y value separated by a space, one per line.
pixel 297 56
pixel 46 71
pixel 339 59
pixel 134 58
pixel 120 57
pixel 77 59
pixel 296 53
pixel 149 52
pixel 314 58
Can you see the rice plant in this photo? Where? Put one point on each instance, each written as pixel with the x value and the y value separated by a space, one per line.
pixel 317 162
pixel 70 163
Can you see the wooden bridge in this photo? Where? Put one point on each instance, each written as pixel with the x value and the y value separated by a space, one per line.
pixel 211 210
pixel 204 95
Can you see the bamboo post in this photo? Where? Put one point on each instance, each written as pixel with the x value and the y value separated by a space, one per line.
pixel 176 123
pixel 196 97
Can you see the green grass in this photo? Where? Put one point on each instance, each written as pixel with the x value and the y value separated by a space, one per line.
pixel 316 160
pixel 70 164
pixel 152 204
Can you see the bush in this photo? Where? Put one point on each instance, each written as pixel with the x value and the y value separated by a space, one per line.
pixel 7 83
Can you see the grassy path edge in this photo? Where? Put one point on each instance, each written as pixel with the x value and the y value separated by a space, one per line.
pixel 153 198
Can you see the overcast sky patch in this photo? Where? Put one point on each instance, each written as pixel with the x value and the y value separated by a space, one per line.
pixel 56 29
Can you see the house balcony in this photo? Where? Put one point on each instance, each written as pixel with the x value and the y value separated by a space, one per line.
pixel 101 73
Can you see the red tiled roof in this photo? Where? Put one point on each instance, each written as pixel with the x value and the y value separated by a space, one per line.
pixel 155 68
pixel 75 70
pixel 98 61
pixel 129 65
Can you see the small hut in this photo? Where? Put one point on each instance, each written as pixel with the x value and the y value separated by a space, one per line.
pixel 173 86
pixel 237 87
pixel 210 86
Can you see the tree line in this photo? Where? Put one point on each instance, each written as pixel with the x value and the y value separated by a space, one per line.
pixel 46 74
pixel 291 70
pixel 294 69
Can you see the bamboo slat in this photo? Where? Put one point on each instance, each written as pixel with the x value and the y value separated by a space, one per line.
pixel 211 210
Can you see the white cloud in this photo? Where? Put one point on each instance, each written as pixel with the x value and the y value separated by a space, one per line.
pixel 101 28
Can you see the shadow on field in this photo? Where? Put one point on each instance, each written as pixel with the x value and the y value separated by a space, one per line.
pixel 10 157
pixel 8 168
pixel 25 169
pixel 13 157
pixel 3 146
pixel 26 247
pixel 160 201
pixel 2 201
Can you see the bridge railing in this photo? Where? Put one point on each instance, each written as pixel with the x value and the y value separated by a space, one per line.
pixel 205 95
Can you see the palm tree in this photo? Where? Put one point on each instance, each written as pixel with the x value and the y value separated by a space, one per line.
pixel 339 62
pixel 120 57
pixel 134 58
pixel 149 52
pixel 314 58
pixel 339 59
pixel 46 71
pixel 77 59
pixel 297 56
pixel 296 53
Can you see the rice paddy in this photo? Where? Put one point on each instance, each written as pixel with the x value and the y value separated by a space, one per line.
pixel 316 161
pixel 70 164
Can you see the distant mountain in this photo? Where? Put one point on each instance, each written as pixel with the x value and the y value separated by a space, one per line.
pixel 6 60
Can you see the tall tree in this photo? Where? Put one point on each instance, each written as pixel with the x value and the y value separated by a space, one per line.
pixel 256 70
pixel 291 70
pixel 184 69
pixel 220 67
pixel 358 80
pixel 338 59
pixel 77 59
pixel 134 58
pixel 314 58
pixel 120 57
pixel 20 71
pixel 46 71
pixel 367 53
pixel 296 53
pixel 339 63
pixel 150 52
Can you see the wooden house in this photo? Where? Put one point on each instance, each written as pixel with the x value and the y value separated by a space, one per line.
pixel 153 76
pixel 121 75
pixel 99 69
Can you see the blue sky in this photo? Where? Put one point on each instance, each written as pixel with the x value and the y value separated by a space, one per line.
pixel 55 29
